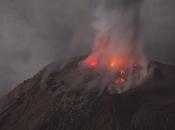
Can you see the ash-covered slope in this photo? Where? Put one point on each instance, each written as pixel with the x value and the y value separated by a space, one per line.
pixel 63 100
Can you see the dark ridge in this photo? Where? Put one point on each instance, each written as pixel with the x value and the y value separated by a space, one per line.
pixel 59 104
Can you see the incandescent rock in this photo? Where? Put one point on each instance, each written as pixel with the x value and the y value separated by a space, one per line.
pixel 66 99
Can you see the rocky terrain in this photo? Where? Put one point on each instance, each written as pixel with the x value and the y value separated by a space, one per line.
pixel 63 100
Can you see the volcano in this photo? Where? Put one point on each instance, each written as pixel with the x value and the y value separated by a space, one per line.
pixel 67 98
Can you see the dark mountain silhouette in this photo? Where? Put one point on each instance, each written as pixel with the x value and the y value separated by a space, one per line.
pixel 58 104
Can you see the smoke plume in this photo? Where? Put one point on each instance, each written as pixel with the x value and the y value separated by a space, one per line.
pixel 36 32
pixel 117 40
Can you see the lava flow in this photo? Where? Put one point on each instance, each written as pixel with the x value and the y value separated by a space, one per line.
pixel 93 62
pixel 119 61
pixel 120 80
pixel 115 66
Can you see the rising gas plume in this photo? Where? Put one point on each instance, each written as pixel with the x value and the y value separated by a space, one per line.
pixel 34 33
pixel 117 47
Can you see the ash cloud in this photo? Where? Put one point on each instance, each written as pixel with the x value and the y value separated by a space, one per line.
pixel 36 32
pixel 118 40
pixel 158 19
pixel 156 27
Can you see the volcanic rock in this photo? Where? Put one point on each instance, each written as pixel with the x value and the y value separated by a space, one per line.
pixel 63 100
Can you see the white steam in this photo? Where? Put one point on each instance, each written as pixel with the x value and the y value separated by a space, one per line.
pixel 117 36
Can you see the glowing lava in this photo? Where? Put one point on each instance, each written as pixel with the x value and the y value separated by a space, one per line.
pixel 92 62
pixel 118 63
pixel 113 63
pixel 115 58
pixel 120 81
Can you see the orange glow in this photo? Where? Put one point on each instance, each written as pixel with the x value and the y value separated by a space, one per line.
pixel 92 62
pixel 122 62
pixel 118 63
pixel 120 81
pixel 113 63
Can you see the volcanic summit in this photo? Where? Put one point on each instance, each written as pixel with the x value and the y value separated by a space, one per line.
pixel 70 97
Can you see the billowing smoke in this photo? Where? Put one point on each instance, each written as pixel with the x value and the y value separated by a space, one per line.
pixel 117 53
pixel 36 32
pixel 117 44
pixel 117 31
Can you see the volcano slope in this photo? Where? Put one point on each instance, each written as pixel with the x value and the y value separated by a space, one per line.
pixel 53 101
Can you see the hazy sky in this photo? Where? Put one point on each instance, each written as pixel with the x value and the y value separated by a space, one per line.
pixel 34 33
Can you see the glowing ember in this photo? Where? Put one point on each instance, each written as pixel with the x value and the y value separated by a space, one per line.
pixel 92 62
pixel 118 62
pixel 113 63
pixel 120 81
